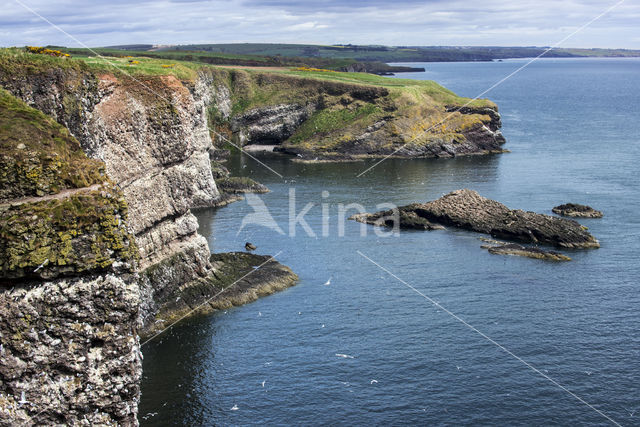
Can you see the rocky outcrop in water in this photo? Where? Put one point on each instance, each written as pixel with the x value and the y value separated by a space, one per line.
pixel 237 184
pixel 468 210
pixel 514 249
pixel 576 210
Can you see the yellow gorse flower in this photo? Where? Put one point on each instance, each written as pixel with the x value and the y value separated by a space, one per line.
pixel 44 51
pixel 322 70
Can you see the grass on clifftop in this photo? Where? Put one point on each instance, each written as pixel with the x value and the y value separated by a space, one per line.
pixel 39 156
pixel 347 103
pixel 428 87
pixel 18 59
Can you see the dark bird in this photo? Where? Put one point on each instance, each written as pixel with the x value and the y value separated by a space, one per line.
pixel 250 246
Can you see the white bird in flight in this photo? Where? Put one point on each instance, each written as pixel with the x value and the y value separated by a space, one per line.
pixel 344 356
pixel 263 382
pixel 374 381
pixel 328 282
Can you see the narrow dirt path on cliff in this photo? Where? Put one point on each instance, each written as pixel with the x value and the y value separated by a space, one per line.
pixel 61 195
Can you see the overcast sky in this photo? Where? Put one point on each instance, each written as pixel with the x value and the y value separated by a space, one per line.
pixel 398 22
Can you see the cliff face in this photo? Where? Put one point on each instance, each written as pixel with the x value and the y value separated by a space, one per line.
pixel 152 135
pixel 69 352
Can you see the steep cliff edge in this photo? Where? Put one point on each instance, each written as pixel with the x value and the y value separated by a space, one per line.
pixel 151 133
pixel 97 250
pixel 69 352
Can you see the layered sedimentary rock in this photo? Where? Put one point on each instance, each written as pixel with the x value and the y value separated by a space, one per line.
pixel 468 210
pixel 152 135
pixel 272 124
pixel 103 251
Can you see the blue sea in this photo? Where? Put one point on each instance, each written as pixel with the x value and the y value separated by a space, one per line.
pixel 427 328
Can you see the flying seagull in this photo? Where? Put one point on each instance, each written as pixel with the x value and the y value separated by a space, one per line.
pixel 344 356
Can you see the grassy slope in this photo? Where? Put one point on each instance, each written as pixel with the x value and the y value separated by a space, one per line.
pixel 39 156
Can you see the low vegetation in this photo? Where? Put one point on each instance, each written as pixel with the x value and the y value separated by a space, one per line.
pixel 46 237
pixel 38 156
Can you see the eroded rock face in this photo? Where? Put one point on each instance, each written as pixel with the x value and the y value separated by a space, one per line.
pixel 467 209
pixel 270 125
pixel 576 210
pixel 154 140
pixel 70 352
pixel 69 303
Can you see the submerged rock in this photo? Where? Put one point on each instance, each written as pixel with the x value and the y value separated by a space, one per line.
pixel 576 210
pixel 504 248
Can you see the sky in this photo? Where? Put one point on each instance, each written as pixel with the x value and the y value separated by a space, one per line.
pixel 400 22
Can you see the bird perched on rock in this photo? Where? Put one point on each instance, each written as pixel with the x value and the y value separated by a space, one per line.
pixel 250 246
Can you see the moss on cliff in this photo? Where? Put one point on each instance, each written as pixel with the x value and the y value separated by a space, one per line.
pixel 38 156
pixel 54 233
pixel 77 234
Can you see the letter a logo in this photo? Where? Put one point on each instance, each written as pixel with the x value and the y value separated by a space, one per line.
pixel 259 216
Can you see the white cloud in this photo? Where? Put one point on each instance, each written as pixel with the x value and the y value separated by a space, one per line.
pixel 403 22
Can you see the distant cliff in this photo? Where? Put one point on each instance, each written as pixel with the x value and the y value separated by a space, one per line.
pixel 337 116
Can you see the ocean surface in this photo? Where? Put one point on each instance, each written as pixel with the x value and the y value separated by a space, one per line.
pixel 573 128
